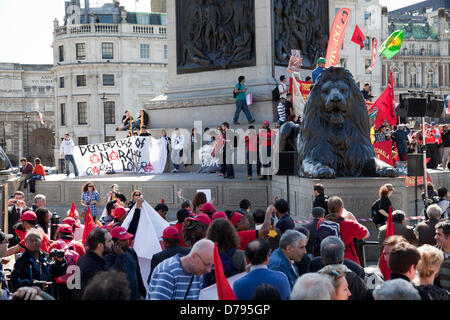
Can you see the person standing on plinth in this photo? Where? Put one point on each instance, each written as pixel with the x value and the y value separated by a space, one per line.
pixel 66 150
pixel 317 71
pixel 241 101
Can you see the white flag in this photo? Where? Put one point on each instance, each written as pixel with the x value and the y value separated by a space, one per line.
pixel 298 102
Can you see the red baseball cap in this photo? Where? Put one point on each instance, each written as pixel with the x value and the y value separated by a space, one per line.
pixel 119 212
pixel 120 233
pixel 201 217
pixel 208 208
pixel 235 218
pixel 71 222
pixel 28 216
pixel 171 233
pixel 266 122
pixel 65 228
pixel 219 214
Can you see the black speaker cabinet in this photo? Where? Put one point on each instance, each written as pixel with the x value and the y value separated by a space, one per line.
pixel 415 107
pixel 287 165
pixel 415 164
pixel 438 107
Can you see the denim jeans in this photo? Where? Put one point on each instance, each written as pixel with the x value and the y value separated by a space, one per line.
pixel 33 182
pixel 67 159
pixel 241 105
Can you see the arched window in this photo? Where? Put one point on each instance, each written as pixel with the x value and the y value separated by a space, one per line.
pixel 413 77
pixel 396 74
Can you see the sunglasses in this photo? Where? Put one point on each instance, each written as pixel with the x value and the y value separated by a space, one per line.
pixel 137 195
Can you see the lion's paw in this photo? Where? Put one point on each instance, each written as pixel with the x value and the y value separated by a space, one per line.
pixel 387 172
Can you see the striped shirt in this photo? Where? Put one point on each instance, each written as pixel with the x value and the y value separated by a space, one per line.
pixel 444 273
pixel 170 281
pixel 281 112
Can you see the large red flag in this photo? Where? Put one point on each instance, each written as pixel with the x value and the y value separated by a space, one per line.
pixel 337 35
pixel 224 290
pixel 89 225
pixel 72 210
pixel 358 37
pixel 384 268
pixel 385 107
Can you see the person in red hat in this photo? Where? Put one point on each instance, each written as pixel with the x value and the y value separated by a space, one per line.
pixel 218 215
pixel 239 221
pixel 29 222
pixel 181 215
pixel 208 209
pixel 119 214
pixel 123 258
pixel 171 242
pixel 64 236
pixel 194 228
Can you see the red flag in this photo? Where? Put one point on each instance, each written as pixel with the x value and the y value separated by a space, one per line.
pixel 224 290
pixel 358 37
pixel 72 210
pixel 374 54
pixel 384 268
pixel 392 85
pixel 41 119
pixel 337 35
pixel 89 225
pixel 385 108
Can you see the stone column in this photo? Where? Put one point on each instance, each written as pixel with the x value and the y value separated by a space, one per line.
pixel 21 140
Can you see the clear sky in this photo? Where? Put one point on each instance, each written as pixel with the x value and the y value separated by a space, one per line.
pixel 26 26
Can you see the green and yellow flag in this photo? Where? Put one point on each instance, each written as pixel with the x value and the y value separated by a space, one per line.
pixel 391 46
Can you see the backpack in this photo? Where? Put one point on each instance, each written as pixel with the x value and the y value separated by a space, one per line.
pixel 71 257
pixel 276 94
pixel 235 94
pixel 327 228
pixel 377 217
pixel 228 268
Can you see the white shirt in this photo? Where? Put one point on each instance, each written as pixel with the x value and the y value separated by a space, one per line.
pixel 177 142
pixel 282 87
pixel 258 266
pixel 66 147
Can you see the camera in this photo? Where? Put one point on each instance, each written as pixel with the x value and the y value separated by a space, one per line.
pixel 56 253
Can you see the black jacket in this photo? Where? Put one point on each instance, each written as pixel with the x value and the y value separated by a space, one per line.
pixel 163 255
pixel 423 294
pixel 321 201
pixel 27 268
pixel 90 264
pixel 312 228
pixel 285 223
pixel 13 218
pixel 119 263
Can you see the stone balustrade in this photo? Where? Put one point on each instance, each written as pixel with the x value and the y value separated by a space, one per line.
pixel 108 28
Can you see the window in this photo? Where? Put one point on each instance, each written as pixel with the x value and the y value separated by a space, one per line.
pixel 61 82
pixel 27 89
pixel 430 78
pixel 41 90
pixel 367 18
pixel 108 80
pixel 107 50
pixel 110 112
pixel 62 109
pixel 142 19
pixel 366 43
pixel 166 52
pixel 81 80
pixel 82 113
pixel 415 13
pixel 368 62
pixel 82 141
pixel 145 51
pixel 61 53
pixel 110 138
pixel 343 62
pixel 80 51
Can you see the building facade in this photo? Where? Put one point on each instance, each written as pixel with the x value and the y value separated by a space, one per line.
pixel 26 90
pixel 423 62
pixel 106 61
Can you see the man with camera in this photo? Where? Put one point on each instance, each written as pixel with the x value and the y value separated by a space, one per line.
pixel 33 267
pixel 16 208
pixel 123 258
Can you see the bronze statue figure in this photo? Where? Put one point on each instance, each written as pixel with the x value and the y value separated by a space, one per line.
pixel 334 137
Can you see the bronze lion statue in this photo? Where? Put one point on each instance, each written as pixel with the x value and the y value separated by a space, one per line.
pixel 333 139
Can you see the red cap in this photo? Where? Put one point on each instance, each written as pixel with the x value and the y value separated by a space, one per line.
pixel 71 222
pixel 119 212
pixel 171 233
pixel 235 218
pixel 201 217
pixel 65 228
pixel 28 216
pixel 120 233
pixel 208 208
pixel 266 122
pixel 219 214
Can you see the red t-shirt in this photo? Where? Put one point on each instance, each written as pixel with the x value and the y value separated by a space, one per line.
pixel 45 246
pixel 77 246
pixel 245 237
pixel 179 227
pixel 39 169
pixel 349 231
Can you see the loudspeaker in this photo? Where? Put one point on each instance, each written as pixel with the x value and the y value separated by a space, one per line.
pixel 438 107
pixel 287 164
pixel 400 110
pixel 415 164
pixel 415 107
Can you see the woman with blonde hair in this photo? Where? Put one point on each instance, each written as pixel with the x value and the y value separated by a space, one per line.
pixel 337 273
pixel 428 267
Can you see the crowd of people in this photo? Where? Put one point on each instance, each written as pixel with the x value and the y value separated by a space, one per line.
pixel 268 255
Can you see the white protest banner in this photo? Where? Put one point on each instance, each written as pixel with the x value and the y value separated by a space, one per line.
pixel 134 154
